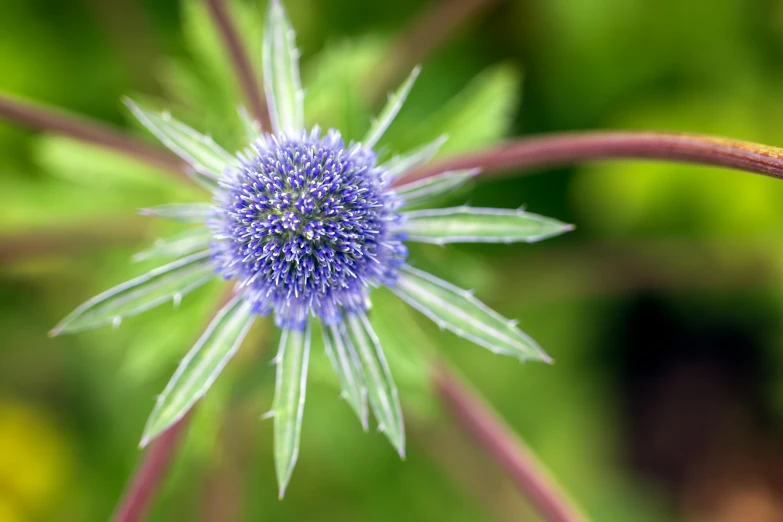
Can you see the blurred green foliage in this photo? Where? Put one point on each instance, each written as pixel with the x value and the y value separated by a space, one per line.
pixel 72 409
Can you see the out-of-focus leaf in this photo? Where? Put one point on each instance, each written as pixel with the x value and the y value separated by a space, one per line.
pixel 200 367
pixel 335 99
pixel 459 311
pixel 479 225
pixel 290 386
pixel 478 116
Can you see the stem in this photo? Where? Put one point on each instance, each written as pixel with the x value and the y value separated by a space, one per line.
pixel 239 59
pixel 49 120
pixel 563 149
pixel 427 32
pixel 148 477
pixel 482 424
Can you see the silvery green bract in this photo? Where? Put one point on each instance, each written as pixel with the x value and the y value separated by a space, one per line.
pixel 305 225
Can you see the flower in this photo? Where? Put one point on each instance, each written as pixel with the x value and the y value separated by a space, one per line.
pixel 305 225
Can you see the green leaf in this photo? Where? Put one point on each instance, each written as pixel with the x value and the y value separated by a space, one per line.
pixel 168 282
pixel 184 243
pixel 479 225
pixel 199 151
pixel 400 165
pixel 281 72
pixel 433 187
pixel 459 311
pixel 348 368
pixel 187 212
pixel 391 109
pixel 381 390
pixel 290 386
pixel 200 367
pixel 335 99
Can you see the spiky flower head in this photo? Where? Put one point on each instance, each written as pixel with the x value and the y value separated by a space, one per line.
pixel 305 225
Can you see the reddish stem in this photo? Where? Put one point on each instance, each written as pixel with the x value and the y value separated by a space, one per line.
pixel 481 423
pixel 563 149
pixel 150 474
pixel 239 59
pixel 58 122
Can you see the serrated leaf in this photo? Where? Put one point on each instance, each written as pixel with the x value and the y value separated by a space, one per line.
pixel 200 367
pixel 281 72
pixel 290 386
pixel 184 243
pixel 348 368
pixel 199 151
pixel 460 312
pixel 166 283
pixel 186 212
pixel 391 109
pixel 381 390
pixel 479 225
pixel 397 167
pixel 433 187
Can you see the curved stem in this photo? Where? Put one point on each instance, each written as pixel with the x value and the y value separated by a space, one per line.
pixel 48 120
pixel 150 474
pixel 563 149
pixel 482 424
pixel 240 61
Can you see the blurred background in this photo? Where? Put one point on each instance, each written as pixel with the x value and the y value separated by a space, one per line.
pixel 663 309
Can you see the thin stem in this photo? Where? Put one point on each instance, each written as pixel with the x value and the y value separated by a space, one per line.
pixel 49 120
pixel 563 149
pixel 239 59
pixel 150 474
pixel 425 34
pixel 483 425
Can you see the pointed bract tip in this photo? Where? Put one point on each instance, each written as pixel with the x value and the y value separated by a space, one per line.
pixel 401 452
pixel 144 442
pixel 54 332
pixel 568 227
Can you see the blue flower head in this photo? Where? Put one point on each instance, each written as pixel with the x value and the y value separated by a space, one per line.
pixel 305 225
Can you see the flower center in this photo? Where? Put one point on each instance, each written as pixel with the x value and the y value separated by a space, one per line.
pixel 304 226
